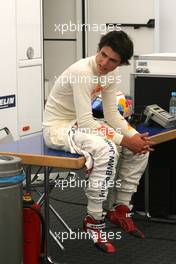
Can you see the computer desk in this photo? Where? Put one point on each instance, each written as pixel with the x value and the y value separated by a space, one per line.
pixel 158 134
pixel 33 152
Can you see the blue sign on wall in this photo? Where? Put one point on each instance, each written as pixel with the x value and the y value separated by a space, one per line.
pixel 7 101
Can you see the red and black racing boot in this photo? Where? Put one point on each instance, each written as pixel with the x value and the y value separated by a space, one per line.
pixel 120 215
pixel 95 229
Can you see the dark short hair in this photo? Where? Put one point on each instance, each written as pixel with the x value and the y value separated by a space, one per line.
pixel 120 43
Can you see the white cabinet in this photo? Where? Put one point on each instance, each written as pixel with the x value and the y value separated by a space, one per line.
pixel 29 66
pixel 8 79
pixel 21 72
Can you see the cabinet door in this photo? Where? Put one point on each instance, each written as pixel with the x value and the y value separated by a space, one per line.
pixel 60 19
pixel 58 56
pixel 29 100
pixel 29 31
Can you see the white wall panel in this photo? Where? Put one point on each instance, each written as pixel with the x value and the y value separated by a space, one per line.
pixel 122 11
pixel 166 27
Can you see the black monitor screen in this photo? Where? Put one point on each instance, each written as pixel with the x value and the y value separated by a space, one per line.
pixel 153 90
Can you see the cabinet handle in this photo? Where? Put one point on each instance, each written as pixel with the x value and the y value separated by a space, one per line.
pixel 30 53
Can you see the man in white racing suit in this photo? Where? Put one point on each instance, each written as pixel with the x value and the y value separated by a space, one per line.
pixel 69 125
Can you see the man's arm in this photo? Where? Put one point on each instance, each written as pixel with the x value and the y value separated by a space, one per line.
pixel 84 116
pixel 136 142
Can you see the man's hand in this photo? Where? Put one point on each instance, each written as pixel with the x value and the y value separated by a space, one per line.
pixel 138 144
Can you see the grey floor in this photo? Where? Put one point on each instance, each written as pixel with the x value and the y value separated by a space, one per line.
pixel 158 247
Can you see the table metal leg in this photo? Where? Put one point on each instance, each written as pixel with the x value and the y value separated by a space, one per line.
pixel 60 218
pixel 46 207
pixel 41 201
pixel 47 258
pixel 146 191
pixel 46 213
pixel 28 179
pixel 56 240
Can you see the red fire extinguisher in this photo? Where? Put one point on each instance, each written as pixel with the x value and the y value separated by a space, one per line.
pixel 33 231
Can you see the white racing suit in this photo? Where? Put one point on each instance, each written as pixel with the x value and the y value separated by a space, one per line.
pixel 69 103
pixel 102 157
